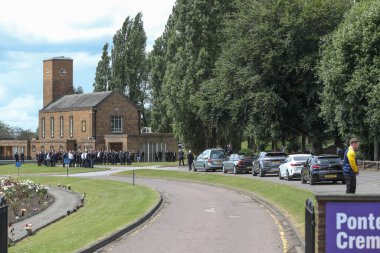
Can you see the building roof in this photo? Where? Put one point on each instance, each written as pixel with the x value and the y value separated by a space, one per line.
pixel 76 101
pixel 62 58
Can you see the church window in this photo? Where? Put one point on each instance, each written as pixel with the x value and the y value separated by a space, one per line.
pixel 61 127
pixel 43 127
pixel 71 126
pixel 52 127
pixel 83 126
pixel 116 124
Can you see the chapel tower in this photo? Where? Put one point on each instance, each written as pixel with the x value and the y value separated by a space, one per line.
pixel 57 78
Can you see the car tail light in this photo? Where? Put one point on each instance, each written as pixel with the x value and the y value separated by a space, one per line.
pixel 240 163
pixel 316 166
pixel 209 161
pixel 295 164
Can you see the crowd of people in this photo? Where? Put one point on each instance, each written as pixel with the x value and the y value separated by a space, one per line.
pixel 89 158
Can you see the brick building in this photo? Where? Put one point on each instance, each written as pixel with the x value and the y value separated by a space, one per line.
pixel 97 121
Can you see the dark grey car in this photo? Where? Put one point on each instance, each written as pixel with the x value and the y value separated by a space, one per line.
pixel 268 163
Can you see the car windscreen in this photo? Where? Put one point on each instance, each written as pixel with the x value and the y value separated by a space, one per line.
pixel 300 158
pixel 328 160
pixel 242 157
pixel 275 154
pixel 217 154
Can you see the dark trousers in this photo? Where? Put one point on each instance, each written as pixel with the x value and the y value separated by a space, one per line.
pixel 350 184
pixel 190 165
pixel 183 161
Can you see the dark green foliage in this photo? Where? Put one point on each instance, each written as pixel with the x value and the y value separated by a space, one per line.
pixel 350 70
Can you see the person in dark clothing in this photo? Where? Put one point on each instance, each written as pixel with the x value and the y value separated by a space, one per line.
pixel 22 158
pixel 350 166
pixel 181 158
pixel 17 157
pixel 190 160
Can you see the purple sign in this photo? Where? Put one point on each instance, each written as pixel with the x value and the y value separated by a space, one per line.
pixel 352 227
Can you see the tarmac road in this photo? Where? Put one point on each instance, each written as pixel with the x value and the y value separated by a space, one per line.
pixel 201 218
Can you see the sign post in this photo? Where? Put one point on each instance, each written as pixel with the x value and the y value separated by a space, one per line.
pixel 18 165
pixel 3 228
pixel 67 163
pixel 348 223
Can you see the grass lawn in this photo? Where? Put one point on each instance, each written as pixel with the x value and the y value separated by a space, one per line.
pixel 109 206
pixel 146 164
pixel 31 168
pixel 290 200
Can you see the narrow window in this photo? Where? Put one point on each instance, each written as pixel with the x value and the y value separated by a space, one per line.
pixel 71 126
pixel 83 126
pixel 52 126
pixel 43 127
pixel 61 127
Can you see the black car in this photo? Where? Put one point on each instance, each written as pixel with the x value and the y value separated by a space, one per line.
pixel 322 168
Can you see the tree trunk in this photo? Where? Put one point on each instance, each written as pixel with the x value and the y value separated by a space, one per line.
pixel 376 148
pixel 303 144
pixel 317 147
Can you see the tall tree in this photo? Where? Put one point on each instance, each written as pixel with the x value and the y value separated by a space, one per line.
pixel 350 70
pixel 192 40
pixel 266 73
pixel 103 71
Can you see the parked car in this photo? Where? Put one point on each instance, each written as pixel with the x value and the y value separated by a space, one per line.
pixel 210 159
pixel 322 168
pixel 267 163
pixel 292 166
pixel 238 164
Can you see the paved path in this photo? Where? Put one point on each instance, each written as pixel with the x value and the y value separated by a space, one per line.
pixel 64 201
pixel 201 218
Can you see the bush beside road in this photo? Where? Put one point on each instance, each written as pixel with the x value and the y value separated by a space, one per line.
pixel 93 222
pixel 290 200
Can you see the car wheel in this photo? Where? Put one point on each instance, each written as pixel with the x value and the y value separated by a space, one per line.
pixel 279 175
pixel 343 181
pixel 194 169
pixel 261 172
pixel 311 180
pixel 288 177
pixel 235 172
pixel 303 180
pixel 254 174
pixel 224 170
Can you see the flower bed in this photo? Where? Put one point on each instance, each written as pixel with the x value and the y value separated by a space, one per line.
pixel 24 198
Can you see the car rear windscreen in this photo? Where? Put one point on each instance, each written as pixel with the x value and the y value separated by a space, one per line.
pixel 217 154
pixel 300 158
pixel 329 160
pixel 246 157
pixel 275 154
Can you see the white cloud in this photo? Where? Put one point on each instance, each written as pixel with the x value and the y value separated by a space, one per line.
pixel 21 112
pixel 60 21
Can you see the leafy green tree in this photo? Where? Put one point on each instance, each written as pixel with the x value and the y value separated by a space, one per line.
pixel 103 71
pixel 350 70
pixel 78 90
pixel 192 42
pixel 266 73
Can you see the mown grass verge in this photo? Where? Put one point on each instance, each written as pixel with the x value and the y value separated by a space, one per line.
pixel 30 168
pixel 289 200
pixel 109 207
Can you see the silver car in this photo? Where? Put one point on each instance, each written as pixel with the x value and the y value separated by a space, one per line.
pixel 210 159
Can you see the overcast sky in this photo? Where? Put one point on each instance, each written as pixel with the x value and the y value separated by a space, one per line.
pixel 31 31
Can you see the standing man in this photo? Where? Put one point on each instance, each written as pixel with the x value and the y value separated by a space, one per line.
pixel 190 159
pixel 350 166
pixel 181 157
pixel 17 158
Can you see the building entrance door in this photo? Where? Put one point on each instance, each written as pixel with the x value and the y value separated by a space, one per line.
pixel 116 146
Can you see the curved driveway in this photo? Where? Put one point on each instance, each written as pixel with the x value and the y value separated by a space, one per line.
pixel 200 218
